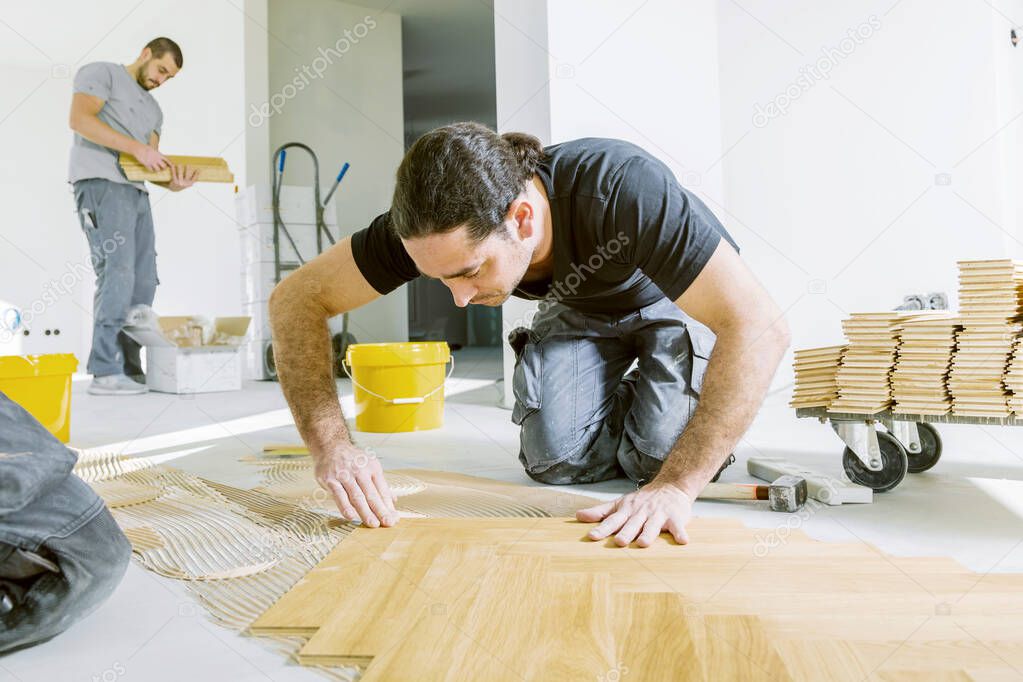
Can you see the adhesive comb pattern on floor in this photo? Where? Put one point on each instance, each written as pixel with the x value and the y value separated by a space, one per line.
pixel 237 551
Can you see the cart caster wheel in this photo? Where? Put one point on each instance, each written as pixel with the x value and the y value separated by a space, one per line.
pixel 340 343
pixel 894 465
pixel 269 364
pixel 930 449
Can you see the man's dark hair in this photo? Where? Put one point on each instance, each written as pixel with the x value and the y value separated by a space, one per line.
pixel 461 174
pixel 161 46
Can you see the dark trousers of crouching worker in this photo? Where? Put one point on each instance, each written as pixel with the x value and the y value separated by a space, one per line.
pixel 61 553
pixel 582 418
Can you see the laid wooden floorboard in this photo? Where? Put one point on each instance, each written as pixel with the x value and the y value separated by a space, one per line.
pixel 643 643
pixel 310 602
pixel 375 551
pixel 427 578
pixel 308 605
pixel 522 623
pixel 552 500
pixel 816 660
pixel 911 676
pixel 532 598
pixel 739 648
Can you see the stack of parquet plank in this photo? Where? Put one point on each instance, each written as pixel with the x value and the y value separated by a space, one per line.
pixel 1014 378
pixel 920 377
pixel 816 381
pixel 864 384
pixel 991 309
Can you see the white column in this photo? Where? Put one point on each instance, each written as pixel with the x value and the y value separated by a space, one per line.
pixel 643 72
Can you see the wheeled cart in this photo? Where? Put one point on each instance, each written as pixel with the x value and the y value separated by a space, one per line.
pixel 909 443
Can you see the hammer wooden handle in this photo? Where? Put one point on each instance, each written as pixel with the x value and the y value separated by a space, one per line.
pixel 735 491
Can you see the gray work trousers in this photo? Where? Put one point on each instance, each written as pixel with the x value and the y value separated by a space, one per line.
pixel 118 223
pixel 61 552
pixel 582 418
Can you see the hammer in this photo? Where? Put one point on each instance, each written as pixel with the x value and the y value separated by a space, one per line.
pixel 786 494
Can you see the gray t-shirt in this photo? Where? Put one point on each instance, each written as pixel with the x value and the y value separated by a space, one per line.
pixel 626 234
pixel 128 108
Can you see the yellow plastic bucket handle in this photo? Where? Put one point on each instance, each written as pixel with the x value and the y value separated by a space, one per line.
pixel 401 401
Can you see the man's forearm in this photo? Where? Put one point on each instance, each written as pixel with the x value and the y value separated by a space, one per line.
pixel 302 354
pixel 734 386
pixel 96 131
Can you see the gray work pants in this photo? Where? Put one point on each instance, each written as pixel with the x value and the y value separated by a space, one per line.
pixel 581 419
pixel 61 553
pixel 118 224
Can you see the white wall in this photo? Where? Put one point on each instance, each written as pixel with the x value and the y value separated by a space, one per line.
pixel 897 152
pixel 645 72
pixel 41 46
pixel 522 68
pixel 880 176
pixel 350 109
pixel 257 91
pixel 639 71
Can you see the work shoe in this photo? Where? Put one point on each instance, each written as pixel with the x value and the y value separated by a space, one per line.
pixel 730 460
pixel 116 384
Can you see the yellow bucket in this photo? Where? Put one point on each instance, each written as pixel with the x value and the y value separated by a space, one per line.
pixel 42 385
pixel 398 386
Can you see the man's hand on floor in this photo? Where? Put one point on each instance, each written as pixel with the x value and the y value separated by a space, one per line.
pixel 642 515
pixel 356 480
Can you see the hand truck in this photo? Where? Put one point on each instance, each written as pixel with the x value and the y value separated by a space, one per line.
pixel 339 341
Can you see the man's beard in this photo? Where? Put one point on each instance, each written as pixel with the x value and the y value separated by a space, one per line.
pixel 140 77
pixel 521 263
pixel 492 300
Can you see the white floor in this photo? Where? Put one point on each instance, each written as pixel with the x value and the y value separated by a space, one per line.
pixel 969 507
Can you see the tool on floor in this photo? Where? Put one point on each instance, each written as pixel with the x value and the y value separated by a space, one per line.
pixel 283 450
pixel 821 487
pixel 786 494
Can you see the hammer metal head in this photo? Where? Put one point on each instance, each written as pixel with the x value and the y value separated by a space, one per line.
pixel 787 493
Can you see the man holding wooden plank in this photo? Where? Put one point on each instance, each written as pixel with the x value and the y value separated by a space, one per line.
pixel 113 111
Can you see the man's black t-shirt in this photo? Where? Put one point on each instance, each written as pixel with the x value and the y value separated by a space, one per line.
pixel 625 233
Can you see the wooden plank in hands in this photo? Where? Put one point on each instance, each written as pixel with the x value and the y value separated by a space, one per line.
pixel 211 168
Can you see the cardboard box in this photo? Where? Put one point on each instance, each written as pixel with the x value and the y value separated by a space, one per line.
pixel 187 354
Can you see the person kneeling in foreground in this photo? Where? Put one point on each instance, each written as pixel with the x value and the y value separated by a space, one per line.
pixel 628 267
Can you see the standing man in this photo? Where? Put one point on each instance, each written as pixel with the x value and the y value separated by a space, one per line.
pixel 628 267
pixel 113 111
